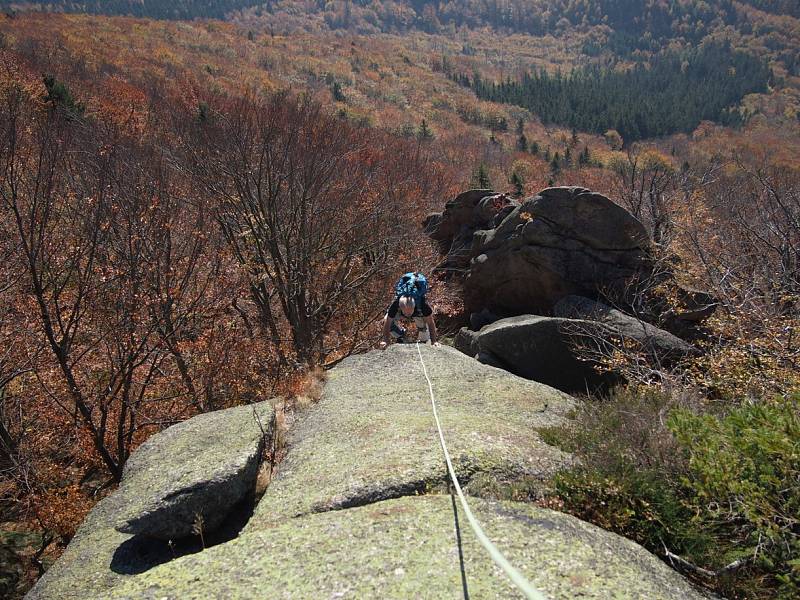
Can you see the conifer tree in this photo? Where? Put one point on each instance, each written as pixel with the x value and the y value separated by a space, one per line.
pixel 61 97
pixel 555 164
pixel 584 159
pixel 338 94
pixel 519 184
pixel 424 134
pixel 480 178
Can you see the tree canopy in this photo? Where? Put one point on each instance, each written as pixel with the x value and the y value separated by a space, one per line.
pixel 672 93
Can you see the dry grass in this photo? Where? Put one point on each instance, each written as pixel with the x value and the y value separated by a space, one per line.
pixel 305 392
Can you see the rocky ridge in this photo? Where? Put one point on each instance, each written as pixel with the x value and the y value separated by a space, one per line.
pixel 537 276
pixel 360 508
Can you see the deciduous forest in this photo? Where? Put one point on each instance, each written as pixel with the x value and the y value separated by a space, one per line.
pixel 197 214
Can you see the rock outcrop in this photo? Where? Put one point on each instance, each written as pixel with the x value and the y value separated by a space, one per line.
pixel 468 212
pixel 204 466
pixel 551 350
pixel 661 346
pixel 406 548
pixel 373 438
pixel 562 241
pixel 538 348
pixel 359 507
pixel 213 458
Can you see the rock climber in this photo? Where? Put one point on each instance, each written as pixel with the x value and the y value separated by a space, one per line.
pixel 409 305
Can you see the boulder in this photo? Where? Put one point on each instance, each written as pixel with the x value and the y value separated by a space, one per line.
pixel 662 347
pixel 406 548
pixel 213 459
pixel 205 465
pixel 468 212
pixel 686 315
pixel 481 319
pixel 695 305
pixel 562 241
pixel 537 348
pixel 466 341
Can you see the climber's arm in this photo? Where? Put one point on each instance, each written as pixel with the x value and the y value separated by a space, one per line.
pixel 387 327
pixel 432 328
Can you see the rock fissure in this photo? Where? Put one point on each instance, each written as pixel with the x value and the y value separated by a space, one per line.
pixel 587 251
pixel 489 481
pixel 568 233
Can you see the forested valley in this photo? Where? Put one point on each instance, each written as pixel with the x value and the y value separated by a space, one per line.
pixel 160 259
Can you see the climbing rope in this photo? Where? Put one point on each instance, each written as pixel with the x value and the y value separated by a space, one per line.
pixel 525 586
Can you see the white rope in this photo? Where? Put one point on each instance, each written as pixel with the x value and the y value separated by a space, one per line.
pixel 525 586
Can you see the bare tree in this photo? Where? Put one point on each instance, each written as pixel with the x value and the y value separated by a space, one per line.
pixel 646 185
pixel 93 217
pixel 314 209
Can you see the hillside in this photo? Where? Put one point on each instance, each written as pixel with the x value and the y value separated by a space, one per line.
pixel 607 28
pixel 176 264
pixel 389 81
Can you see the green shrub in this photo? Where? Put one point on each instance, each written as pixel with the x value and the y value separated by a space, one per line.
pixel 629 480
pixel 744 475
pixel 717 490
pixel 61 97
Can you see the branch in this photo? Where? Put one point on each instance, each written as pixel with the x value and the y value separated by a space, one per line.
pixel 685 565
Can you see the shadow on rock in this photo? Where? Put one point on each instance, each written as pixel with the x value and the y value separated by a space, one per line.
pixel 141 553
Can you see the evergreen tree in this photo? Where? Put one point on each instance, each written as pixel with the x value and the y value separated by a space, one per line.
pixel 568 157
pixel 522 143
pixel 338 94
pixel 555 164
pixel 60 96
pixel 535 148
pixel 584 159
pixel 519 184
pixel 520 127
pixel 424 134
pixel 480 178
pixel 202 112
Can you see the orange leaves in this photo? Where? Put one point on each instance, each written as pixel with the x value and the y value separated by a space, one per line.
pixel 62 510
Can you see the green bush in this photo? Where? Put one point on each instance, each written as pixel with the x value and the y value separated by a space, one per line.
pixel 744 476
pixel 61 97
pixel 717 490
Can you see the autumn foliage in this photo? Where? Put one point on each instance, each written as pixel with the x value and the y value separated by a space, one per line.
pixel 150 271
pixel 192 214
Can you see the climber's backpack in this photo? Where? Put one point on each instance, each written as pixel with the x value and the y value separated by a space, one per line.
pixel 414 285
